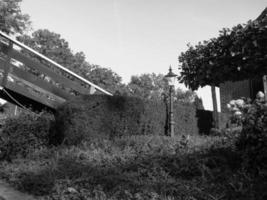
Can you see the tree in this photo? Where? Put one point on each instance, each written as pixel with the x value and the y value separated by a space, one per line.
pixel 155 87
pixel 188 97
pixel 236 54
pixel 56 48
pixel 148 86
pixel 105 78
pixel 12 21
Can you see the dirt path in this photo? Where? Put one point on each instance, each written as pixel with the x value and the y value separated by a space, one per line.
pixel 8 193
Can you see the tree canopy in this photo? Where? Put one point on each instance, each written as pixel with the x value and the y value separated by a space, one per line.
pixel 236 54
pixel 12 20
pixel 155 87
pixel 148 86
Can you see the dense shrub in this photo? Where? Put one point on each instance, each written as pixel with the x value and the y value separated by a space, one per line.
pixel 96 116
pixel 253 138
pixel 24 133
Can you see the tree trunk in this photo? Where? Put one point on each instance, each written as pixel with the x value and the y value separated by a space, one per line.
pixel 215 107
pixel 265 87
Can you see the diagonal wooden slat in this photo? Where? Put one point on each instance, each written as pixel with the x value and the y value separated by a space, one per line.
pixel 44 70
pixel 35 81
pixel 6 63
pixel 52 103
pixel 55 64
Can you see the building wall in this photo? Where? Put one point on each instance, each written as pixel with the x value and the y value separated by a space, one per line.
pixel 233 90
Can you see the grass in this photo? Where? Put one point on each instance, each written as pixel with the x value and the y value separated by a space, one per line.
pixel 137 167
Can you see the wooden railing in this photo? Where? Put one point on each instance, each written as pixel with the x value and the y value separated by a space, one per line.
pixel 37 80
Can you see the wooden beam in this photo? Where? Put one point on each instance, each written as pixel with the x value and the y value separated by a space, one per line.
pixel 54 63
pixel 52 103
pixel 45 70
pixel 34 81
pixel 6 64
pixel 28 103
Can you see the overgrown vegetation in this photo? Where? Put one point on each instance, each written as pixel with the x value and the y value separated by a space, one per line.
pixel 24 133
pixel 138 167
pixel 253 138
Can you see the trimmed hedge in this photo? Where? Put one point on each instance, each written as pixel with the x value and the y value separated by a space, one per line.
pixel 101 116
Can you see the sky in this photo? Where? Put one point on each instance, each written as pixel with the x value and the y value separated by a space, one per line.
pixel 133 37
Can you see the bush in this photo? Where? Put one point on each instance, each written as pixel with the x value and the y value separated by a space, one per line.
pixel 101 116
pixel 97 116
pixel 253 138
pixel 24 133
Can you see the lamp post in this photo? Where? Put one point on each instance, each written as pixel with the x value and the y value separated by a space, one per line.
pixel 171 78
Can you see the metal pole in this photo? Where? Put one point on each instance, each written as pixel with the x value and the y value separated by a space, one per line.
pixel 171 117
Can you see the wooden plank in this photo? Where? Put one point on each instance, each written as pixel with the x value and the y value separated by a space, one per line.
pixel 25 92
pixel 54 63
pixel 28 103
pixel 6 64
pixel 45 70
pixel 36 81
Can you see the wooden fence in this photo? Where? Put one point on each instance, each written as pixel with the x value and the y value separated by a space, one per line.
pixel 28 78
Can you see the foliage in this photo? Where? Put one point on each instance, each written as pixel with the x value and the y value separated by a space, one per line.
pixel 236 54
pixel 253 138
pixel 106 116
pixel 155 87
pixel 12 20
pixel 24 133
pixel 105 78
pixel 188 97
pixel 135 167
pixel 97 116
pixel 236 107
pixel 148 86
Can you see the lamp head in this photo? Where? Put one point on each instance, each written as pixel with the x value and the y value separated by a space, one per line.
pixel 171 77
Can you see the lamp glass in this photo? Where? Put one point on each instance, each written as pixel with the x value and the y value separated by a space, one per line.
pixel 171 80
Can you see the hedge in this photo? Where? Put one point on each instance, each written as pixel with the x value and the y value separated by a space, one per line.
pixel 101 116
pixel 24 133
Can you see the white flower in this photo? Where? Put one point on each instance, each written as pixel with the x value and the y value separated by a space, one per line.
pixel 238 113
pixel 240 102
pixel 232 102
pixel 260 95
pixel 235 109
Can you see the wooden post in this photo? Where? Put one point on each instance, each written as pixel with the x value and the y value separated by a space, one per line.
pixel 215 107
pixel 7 65
pixel 265 87
pixel 92 90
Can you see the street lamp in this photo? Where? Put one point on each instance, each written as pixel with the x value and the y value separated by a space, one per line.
pixel 171 78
